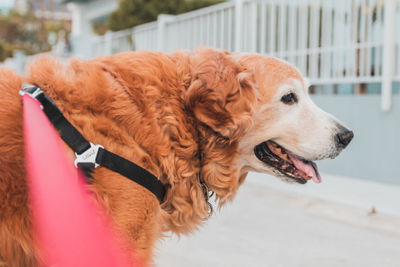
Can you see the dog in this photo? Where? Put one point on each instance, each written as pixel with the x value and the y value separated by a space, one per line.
pixel 198 120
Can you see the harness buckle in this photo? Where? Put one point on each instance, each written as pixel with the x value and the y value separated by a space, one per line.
pixel 32 90
pixel 89 156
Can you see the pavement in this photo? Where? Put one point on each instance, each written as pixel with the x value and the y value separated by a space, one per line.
pixel 341 222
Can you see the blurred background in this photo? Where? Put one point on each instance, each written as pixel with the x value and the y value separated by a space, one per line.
pixel 349 50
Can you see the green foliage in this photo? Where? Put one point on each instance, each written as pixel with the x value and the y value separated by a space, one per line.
pixel 26 33
pixel 134 12
pixel 5 51
pixel 99 27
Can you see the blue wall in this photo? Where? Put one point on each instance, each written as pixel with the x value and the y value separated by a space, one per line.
pixel 374 154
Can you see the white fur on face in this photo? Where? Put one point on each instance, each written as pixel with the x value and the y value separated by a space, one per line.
pixel 302 128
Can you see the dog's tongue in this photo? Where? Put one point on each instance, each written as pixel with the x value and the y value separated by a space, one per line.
pixel 310 169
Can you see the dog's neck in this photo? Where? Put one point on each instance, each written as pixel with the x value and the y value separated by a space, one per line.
pixel 216 153
pixel 213 165
pixel 218 157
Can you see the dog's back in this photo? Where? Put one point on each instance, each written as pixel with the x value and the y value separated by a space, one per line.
pixel 96 101
pixel 16 243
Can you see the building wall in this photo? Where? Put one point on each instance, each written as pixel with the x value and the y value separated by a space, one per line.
pixel 47 9
pixel 5 6
pixel 374 152
pixel 84 14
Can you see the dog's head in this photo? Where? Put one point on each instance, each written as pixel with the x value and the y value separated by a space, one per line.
pixel 257 116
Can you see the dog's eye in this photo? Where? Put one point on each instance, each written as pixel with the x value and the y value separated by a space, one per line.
pixel 289 99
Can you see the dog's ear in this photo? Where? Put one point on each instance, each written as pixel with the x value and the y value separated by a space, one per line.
pixel 221 93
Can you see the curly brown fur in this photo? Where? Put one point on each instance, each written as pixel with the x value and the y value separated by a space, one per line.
pixel 178 115
pixel 188 117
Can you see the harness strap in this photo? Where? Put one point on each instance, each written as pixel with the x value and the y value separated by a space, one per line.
pixel 132 171
pixel 90 156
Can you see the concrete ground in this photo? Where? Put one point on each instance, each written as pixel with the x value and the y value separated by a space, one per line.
pixel 273 224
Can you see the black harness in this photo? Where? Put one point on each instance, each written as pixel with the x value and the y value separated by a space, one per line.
pixel 88 155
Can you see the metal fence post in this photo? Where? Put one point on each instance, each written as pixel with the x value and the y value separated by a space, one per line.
pixel 20 59
pixel 108 43
pixel 162 21
pixel 239 25
pixel 388 54
pixel 253 30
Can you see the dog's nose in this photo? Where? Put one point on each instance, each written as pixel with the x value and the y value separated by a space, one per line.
pixel 344 137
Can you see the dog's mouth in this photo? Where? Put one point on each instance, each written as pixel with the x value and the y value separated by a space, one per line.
pixel 287 163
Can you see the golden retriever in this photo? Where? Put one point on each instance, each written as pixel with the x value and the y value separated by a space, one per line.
pixel 189 118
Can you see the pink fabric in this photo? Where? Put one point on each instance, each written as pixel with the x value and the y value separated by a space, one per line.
pixel 69 228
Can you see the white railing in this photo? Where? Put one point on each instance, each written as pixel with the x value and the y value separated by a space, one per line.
pixel 144 37
pixel 98 44
pixel 330 41
pixel 397 44
pixel 212 26
pixel 397 63
pixel 19 62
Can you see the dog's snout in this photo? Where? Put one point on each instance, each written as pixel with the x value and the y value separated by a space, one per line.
pixel 344 137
